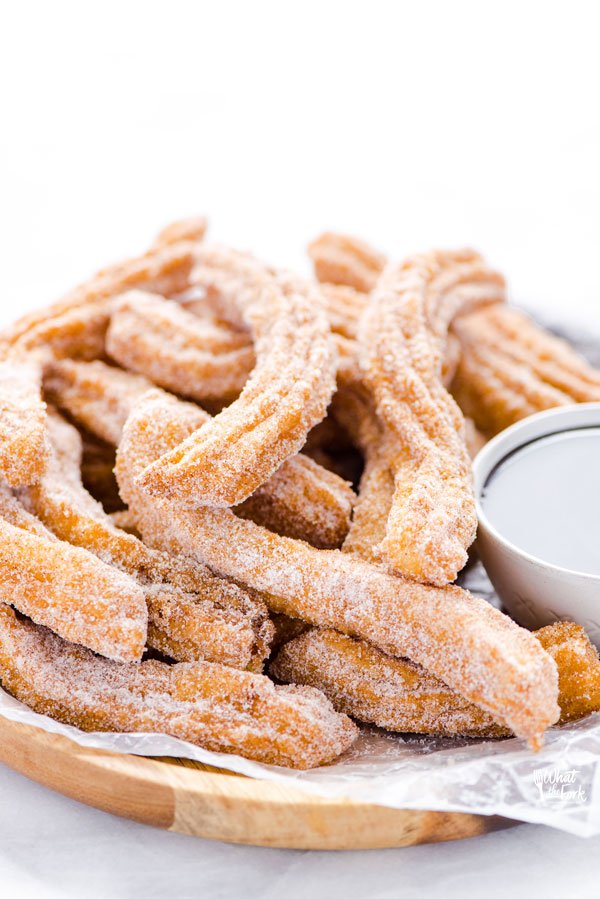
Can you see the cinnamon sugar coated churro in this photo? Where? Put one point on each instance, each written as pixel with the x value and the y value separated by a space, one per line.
pixel 431 521
pixel 287 394
pixel 23 444
pixel 449 631
pixel 510 368
pixel 178 350
pixel 240 470
pixel 345 260
pixel 210 705
pixel 394 693
pixel 192 614
pixel 300 500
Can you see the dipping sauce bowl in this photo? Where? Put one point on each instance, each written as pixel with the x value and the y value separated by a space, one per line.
pixel 537 489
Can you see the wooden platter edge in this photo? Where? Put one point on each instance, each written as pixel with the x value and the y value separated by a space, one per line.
pixel 190 798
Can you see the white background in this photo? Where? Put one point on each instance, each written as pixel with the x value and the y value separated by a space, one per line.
pixel 410 123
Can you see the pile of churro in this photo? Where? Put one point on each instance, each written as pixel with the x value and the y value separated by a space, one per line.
pixel 234 501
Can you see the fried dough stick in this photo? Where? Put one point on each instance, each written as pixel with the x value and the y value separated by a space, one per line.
pixel 76 324
pixel 192 614
pixel 213 706
pixel 457 637
pixel 301 500
pixel 23 445
pixel 398 695
pixel 69 590
pixel 344 260
pixel 341 259
pixel 288 392
pixel 511 368
pixel 432 519
pixel 178 350
pixel 352 407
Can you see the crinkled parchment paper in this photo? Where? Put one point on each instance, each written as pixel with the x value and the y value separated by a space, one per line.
pixel 558 786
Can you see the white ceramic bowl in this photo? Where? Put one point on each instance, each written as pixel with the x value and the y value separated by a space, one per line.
pixel 535 592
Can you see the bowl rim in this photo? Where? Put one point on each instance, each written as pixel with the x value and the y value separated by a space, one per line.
pixel 572 417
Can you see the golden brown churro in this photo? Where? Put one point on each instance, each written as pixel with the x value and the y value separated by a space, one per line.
pixel 353 408
pixel 23 445
pixel 511 368
pixel 193 228
pixel 300 500
pixel 345 260
pixel 192 614
pixel 177 350
pixel 304 501
pixel 76 325
pixel 344 306
pixel 432 519
pixel 211 705
pixel 98 397
pixel 369 685
pixel 461 639
pixel 74 593
pixel 376 688
pixel 578 668
pixel 286 395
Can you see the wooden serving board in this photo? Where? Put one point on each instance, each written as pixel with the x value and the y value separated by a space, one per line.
pixel 188 797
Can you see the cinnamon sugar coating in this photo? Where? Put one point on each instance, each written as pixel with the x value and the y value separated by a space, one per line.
pixel 23 445
pixel 396 694
pixel 300 500
pixel 192 614
pixel 177 350
pixel 511 368
pixel 458 637
pixel 213 706
pixel 286 395
pixel 432 520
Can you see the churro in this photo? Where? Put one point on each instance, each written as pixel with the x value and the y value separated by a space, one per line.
pixel 456 636
pixel 71 591
pixel 213 706
pixel 511 368
pixel 432 521
pixel 23 445
pixel 286 395
pixel 76 325
pixel 578 668
pixel 345 260
pixel 353 408
pixel 376 688
pixel 193 228
pixel 300 500
pixel 97 396
pixel 177 350
pixel 398 695
pixel 344 306
pixel 217 621
pixel 305 501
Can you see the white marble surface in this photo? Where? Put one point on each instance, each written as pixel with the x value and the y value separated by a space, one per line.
pixel 411 124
